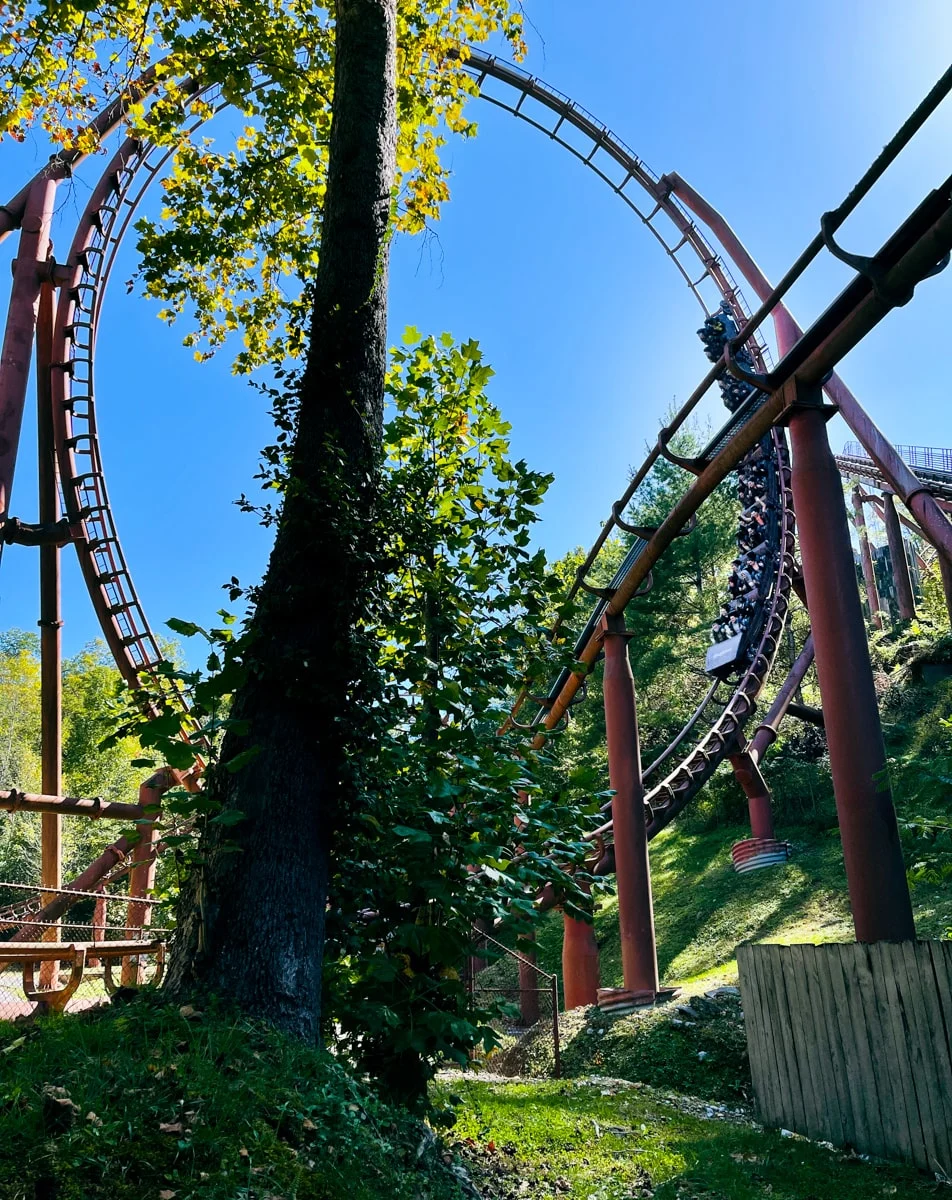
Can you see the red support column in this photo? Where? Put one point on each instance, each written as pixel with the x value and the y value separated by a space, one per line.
pixel 580 974
pixel 897 557
pixel 876 876
pixel 748 775
pixel 142 875
pixel 869 575
pixel 632 870
pixel 50 622
pixel 16 353
pixel 529 979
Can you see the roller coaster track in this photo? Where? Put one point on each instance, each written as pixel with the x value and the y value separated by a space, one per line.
pixel 931 465
pixel 106 220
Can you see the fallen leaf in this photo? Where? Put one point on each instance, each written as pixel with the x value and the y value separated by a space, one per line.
pixel 243 1153
pixel 93 1119
pixel 171 1127
pixel 189 1013
pixel 307 1123
pixel 166 1194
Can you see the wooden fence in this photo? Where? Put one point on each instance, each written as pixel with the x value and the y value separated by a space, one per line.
pixel 852 1044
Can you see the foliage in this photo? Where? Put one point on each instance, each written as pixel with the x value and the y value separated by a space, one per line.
pixel 932 605
pixel 453 826
pixel 196 1106
pixel 90 684
pixel 238 238
pixel 600 1139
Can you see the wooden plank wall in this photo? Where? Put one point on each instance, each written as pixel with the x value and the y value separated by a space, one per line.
pixel 852 1044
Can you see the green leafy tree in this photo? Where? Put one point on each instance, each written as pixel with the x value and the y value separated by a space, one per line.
pixel 453 826
pixel 90 685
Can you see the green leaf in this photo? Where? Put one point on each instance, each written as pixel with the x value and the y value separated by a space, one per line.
pixel 185 628
pixel 241 760
pixel 230 816
pixel 412 835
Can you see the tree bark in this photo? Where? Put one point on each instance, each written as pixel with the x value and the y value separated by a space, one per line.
pixel 251 925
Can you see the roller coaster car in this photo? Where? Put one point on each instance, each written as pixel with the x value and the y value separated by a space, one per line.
pixel 722 657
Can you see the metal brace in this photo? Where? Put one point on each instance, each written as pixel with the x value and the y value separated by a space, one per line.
pixel 756 379
pixel 646 532
pixel 870 268
pixel 603 593
pixel 694 465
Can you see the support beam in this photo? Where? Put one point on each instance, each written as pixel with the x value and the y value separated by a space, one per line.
pixel 580 973
pixel 51 642
pixel 17 351
pixel 869 576
pixel 73 806
pixel 748 775
pixel 766 733
pixel 945 567
pixel 528 979
pixel 808 714
pixel 897 557
pixel 879 894
pixel 142 875
pixel 639 956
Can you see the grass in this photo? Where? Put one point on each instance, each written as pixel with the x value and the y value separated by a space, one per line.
pixel 606 1140
pixel 151 1104
pixel 704 909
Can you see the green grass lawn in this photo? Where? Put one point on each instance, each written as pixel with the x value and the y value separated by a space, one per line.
pixel 603 1140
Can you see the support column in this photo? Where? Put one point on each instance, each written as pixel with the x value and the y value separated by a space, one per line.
pixel 528 979
pixel 897 557
pixel 51 650
pixel 142 875
pixel 748 775
pixel 869 575
pixel 580 974
pixel 639 956
pixel 32 254
pixel 879 894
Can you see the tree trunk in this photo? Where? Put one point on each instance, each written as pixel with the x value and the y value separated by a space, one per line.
pixel 252 919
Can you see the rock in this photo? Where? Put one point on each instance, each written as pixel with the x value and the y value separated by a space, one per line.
pixel 719 993
pixel 59 1111
pixel 687 1011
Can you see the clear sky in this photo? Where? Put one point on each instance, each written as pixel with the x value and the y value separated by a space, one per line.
pixel 772 109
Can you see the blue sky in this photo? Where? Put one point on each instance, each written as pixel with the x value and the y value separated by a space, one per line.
pixel 589 328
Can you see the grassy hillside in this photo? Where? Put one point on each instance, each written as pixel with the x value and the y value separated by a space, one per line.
pixel 704 909
pixel 146 1101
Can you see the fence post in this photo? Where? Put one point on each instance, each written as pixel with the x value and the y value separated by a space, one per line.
pixel 556 1048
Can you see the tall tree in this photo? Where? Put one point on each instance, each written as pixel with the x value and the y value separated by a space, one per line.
pixel 253 924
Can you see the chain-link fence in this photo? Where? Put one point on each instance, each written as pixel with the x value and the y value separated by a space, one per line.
pixel 75 962
pixel 500 977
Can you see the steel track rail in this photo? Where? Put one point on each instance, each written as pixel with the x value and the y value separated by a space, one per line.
pixel 938 480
